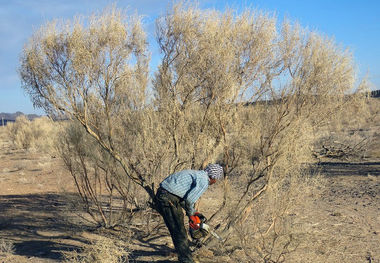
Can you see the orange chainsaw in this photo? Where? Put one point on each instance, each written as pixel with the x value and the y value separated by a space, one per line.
pixel 201 231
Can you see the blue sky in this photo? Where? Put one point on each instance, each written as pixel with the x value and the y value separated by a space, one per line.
pixel 354 24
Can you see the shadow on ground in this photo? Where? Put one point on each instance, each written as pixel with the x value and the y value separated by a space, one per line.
pixel 39 227
pixel 42 249
pixel 161 251
pixel 348 169
pixel 36 226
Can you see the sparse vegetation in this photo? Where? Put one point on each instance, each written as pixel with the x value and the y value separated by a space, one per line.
pixel 103 250
pixel 36 135
pixel 6 247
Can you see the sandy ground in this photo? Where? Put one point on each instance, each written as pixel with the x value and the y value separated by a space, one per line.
pixel 342 225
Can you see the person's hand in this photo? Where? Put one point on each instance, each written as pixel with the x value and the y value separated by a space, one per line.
pixel 194 222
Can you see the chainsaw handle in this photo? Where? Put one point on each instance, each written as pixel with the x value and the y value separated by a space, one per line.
pixel 201 217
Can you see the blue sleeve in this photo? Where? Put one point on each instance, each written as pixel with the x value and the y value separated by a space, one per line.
pixel 197 189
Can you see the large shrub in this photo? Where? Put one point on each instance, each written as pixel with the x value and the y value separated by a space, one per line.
pixel 230 88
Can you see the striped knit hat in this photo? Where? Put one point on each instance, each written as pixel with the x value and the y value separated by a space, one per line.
pixel 214 171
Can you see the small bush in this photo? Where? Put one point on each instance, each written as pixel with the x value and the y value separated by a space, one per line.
pixel 348 136
pixel 36 135
pixel 6 247
pixel 103 250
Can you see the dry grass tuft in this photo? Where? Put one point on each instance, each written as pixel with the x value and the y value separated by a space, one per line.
pixel 103 250
pixel 6 247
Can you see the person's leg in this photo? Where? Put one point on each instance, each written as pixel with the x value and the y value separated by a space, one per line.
pixel 179 235
pixel 172 213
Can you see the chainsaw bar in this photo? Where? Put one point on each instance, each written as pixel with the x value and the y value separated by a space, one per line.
pixel 209 230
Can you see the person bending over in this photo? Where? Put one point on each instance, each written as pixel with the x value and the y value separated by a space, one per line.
pixel 179 191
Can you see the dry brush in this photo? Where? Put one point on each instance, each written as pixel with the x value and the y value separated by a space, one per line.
pixel 230 88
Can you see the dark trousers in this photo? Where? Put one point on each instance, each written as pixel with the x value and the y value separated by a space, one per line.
pixel 171 210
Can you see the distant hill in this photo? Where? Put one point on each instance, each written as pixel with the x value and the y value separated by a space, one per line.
pixel 11 117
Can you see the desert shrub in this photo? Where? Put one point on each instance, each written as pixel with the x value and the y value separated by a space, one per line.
pixel 374 120
pixel 102 250
pixel 374 109
pixel 269 233
pixel 20 132
pixel 230 88
pixel 108 199
pixel 343 146
pixel 6 247
pixel 36 135
pixel 348 134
